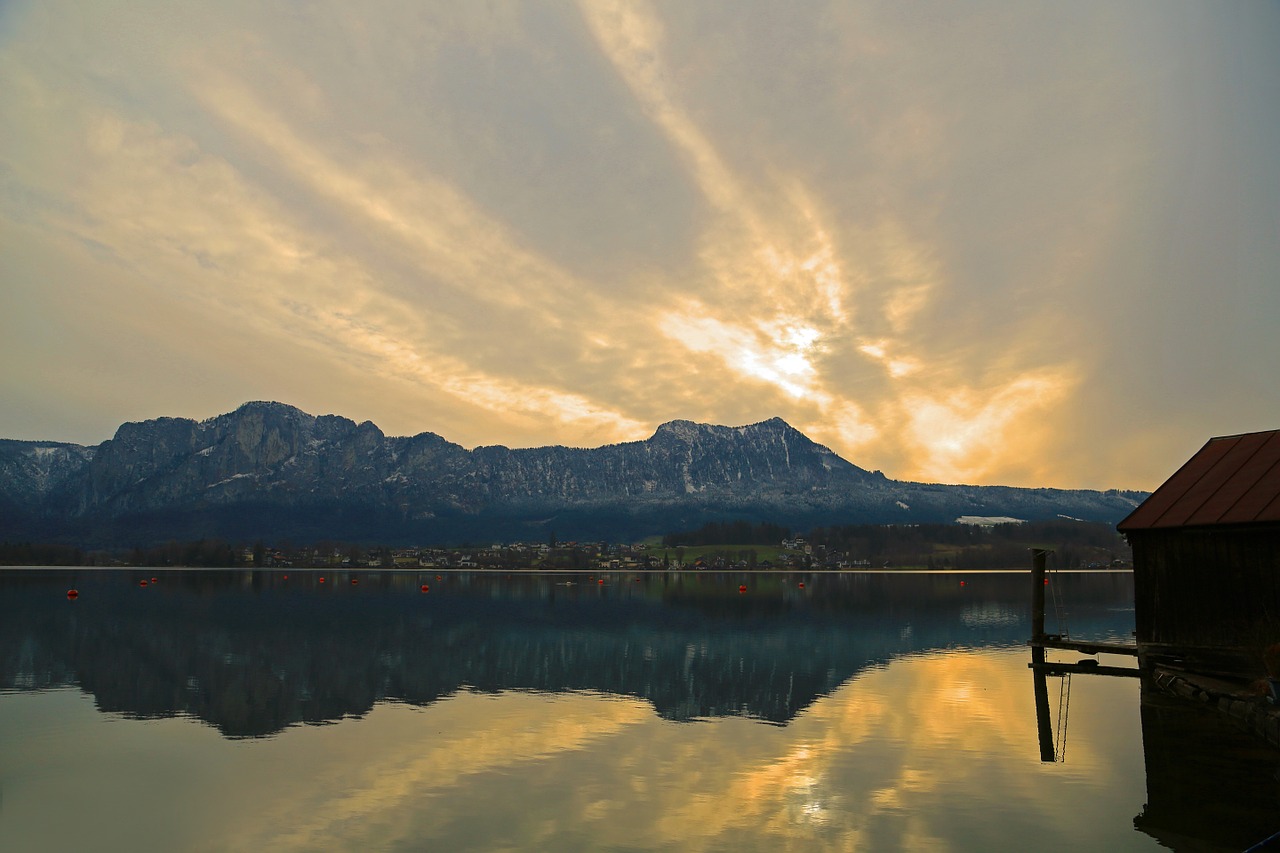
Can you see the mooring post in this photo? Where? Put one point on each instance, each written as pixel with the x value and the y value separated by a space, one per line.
pixel 1037 594
pixel 1043 725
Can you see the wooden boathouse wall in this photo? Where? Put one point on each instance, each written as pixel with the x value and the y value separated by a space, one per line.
pixel 1206 548
pixel 1214 586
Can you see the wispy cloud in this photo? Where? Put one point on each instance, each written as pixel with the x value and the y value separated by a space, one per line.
pixel 949 245
pixel 776 302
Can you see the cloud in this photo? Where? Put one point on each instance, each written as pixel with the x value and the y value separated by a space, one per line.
pixel 993 244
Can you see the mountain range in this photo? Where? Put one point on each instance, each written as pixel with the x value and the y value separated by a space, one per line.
pixel 270 471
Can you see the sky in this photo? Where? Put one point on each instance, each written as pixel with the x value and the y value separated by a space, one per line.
pixel 1021 243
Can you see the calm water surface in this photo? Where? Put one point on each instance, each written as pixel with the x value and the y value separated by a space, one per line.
pixel 223 710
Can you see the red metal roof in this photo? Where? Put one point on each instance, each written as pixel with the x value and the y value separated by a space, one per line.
pixel 1231 480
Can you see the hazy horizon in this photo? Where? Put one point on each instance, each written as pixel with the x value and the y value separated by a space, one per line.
pixel 1031 244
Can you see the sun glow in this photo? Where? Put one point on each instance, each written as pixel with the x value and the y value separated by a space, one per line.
pixel 961 435
pixel 778 353
pixel 567 223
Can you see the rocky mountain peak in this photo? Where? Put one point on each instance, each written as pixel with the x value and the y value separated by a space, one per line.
pixel 685 430
pixel 681 430
pixel 269 407
pixel 35 467
pixel 269 469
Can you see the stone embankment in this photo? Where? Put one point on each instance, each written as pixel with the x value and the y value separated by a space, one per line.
pixel 1240 703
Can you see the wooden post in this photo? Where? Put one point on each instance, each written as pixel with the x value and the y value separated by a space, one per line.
pixel 1044 726
pixel 1042 721
pixel 1037 594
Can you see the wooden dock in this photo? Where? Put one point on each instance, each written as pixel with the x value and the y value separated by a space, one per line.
pixel 1040 640
pixel 1089 667
pixel 1053 641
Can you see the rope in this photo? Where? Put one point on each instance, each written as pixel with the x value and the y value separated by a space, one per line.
pixel 1064 707
pixel 1059 611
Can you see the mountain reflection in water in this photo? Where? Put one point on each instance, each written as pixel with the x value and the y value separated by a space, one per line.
pixel 551 712
pixel 252 653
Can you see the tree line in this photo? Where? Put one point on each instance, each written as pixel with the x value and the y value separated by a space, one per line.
pixel 1074 544
pixel 202 553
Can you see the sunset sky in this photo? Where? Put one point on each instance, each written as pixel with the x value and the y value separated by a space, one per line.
pixel 1014 242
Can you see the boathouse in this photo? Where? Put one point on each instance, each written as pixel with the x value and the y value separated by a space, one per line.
pixel 1206 549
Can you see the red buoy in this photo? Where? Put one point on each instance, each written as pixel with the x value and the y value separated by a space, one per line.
pixel 801 584
pixel 155 580
pixel 322 579
pixel 961 583
pixel 286 577
pixel 437 577
pixel 742 588
pixel 601 581
pixel 73 593
pixel 425 588
pixel 355 581
pixel 142 582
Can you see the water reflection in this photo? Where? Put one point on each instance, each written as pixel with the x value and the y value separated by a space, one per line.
pixel 254 652
pixel 1209 786
pixel 522 713
pixel 934 751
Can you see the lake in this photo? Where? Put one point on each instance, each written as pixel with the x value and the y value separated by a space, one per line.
pixel 379 710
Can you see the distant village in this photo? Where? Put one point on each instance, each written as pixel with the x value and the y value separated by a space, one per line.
pixel 723 546
pixel 789 554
